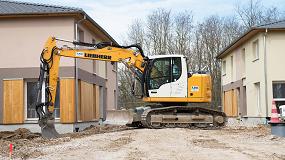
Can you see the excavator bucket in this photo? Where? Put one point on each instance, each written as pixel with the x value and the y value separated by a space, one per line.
pixel 119 117
pixel 47 127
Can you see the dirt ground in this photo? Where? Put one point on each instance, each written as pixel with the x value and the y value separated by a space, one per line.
pixel 119 142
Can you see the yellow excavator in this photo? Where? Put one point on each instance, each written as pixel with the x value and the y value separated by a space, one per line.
pixel 175 97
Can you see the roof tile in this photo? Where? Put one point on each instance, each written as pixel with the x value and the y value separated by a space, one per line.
pixel 16 7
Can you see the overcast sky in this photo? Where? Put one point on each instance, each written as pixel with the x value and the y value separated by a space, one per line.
pixel 116 15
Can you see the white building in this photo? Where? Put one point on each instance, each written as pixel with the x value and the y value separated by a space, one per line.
pixel 252 72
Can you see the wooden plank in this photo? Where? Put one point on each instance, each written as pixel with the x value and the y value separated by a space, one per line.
pixel 97 102
pixel 13 101
pixel 235 103
pixel 67 101
pixel 94 102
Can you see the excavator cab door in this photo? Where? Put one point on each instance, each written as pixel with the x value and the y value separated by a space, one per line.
pixel 160 78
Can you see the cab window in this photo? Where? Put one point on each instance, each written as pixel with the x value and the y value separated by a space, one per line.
pixel 160 73
pixel 176 68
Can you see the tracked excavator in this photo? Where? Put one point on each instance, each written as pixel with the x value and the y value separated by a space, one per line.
pixel 175 97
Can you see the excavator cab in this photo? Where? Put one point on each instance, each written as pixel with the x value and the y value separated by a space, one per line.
pixel 166 76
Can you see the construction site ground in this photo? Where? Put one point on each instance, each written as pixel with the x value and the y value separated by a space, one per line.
pixel 120 142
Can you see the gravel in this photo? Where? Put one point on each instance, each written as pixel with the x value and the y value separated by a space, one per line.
pixel 234 142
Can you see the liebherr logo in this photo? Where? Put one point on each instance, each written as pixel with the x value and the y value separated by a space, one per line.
pixel 97 56
pixel 79 54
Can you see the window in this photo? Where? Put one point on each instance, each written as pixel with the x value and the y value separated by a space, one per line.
pixel 255 50
pixel 57 102
pixel 31 99
pixel 278 89
pixel 94 62
pixel 94 67
pixel 243 62
pixel 115 99
pixel 81 35
pixel 114 64
pixel 160 73
pixel 224 67
pixel 31 93
pixel 93 41
pixel 106 70
pixel 232 68
pixel 257 96
pixel 176 68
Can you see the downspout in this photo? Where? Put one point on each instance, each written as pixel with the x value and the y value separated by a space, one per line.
pixel 117 91
pixel 265 71
pixel 76 71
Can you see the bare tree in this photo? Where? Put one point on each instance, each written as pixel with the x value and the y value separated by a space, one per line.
pixel 136 32
pixel 210 37
pixel 126 97
pixel 183 25
pixel 159 31
pixel 254 13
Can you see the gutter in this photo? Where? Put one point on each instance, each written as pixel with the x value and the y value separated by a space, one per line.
pixel 76 72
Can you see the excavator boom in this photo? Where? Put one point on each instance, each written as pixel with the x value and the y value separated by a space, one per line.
pixel 50 58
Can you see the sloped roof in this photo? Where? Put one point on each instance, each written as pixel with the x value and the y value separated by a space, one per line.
pixel 17 8
pixel 273 25
pixel 278 25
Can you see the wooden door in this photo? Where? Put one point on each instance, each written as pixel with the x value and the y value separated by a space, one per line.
pixel 13 101
pixel 231 103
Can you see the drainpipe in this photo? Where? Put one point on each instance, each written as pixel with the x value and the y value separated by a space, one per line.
pixel 76 71
pixel 117 92
pixel 265 70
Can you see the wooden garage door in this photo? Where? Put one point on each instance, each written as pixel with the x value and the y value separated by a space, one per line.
pixel 13 101
pixel 231 103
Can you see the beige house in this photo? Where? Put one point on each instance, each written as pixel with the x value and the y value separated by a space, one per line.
pixel 252 72
pixel 24 28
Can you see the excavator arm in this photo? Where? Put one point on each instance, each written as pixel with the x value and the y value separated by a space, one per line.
pixel 49 68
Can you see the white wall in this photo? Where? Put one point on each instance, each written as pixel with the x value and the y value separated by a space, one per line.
pixel 22 39
pixel 275 61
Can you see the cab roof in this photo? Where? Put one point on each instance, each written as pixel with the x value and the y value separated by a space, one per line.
pixel 166 56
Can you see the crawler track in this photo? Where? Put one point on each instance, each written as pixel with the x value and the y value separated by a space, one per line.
pixel 183 117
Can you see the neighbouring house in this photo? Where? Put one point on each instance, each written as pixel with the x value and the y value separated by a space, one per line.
pixel 24 29
pixel 252 73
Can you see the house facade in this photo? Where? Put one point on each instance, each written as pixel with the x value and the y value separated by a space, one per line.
pixel 252 72
pixel 87 88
